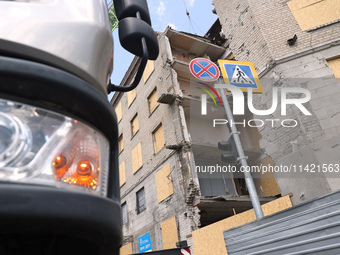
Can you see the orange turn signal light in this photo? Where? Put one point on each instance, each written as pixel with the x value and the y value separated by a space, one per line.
pixel 60 166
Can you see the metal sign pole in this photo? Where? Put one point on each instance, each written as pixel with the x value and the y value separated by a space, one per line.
pixel 248 178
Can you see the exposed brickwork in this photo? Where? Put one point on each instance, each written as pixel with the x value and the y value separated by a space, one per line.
pixel 240 27
pixel 258 30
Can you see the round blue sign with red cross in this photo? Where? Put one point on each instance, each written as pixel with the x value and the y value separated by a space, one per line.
pixel 203 69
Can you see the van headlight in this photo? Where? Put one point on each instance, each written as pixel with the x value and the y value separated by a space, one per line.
pixel 42 147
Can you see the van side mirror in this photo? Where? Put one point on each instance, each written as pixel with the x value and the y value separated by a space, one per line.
pixel 131 32
pixel 129 8
pixel 136 36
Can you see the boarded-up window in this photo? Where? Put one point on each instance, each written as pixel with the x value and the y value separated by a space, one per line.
pixel 122 177
pixel 120 143
pixel 124 213
pixel 164 183
pixel 169 233
pixel 314 13
pixel 150 66
pixel 152 100
pixel 335 66
pixel 126 249
pixel 141 203
pixel 119 111
pixel 137 160
pixel 134 125
pixel 131 95
pixel 158 137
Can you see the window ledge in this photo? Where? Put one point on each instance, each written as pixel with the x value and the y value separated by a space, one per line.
pixel 138 170
pixel 132 102
pixel 159 150
pixel 134 134
pixel 153 110
pixel 140 211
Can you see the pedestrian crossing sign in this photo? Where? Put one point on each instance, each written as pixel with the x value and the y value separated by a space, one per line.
pixel 240 74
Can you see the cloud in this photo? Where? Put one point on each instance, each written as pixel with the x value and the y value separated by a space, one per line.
pixel 161 8
pixel 191 2
pixel 172 25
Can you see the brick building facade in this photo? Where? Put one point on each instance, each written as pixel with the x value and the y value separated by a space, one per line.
pixel 161 142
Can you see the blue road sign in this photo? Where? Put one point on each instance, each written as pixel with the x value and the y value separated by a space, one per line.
pixel 240 74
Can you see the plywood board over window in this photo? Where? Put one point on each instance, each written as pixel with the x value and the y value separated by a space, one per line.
pixel 210 240
pixel 126 249
pixel 314 13
pixel 169 233
pixel 150 66
pixel 134 125
pixel 122 177
pixel 120 143
pixel 334 64
pixel 137 160
pixel 152 100
pixel 118 111
pixel 131 95
pixel 164 183
pixel 158 137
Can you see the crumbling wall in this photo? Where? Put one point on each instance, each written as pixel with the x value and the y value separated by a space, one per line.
pixel 242 31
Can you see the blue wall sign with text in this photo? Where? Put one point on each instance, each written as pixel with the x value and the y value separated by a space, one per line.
pixel 144 243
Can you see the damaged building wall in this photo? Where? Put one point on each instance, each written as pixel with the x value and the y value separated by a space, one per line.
pixel 259 29
pixel 242 31
pixel 315 139
pixel 162 174
pixel 306 63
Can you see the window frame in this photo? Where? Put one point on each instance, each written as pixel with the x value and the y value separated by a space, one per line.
pixel 124 205
pixel 154 138
pixel 148 72
pixel 120 112
pixel 131 125
pixel 128 97
pixel 120 140
pixel 140 208
pixel 148 98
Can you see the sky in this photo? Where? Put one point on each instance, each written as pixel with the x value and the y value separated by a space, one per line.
pixel 167 13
